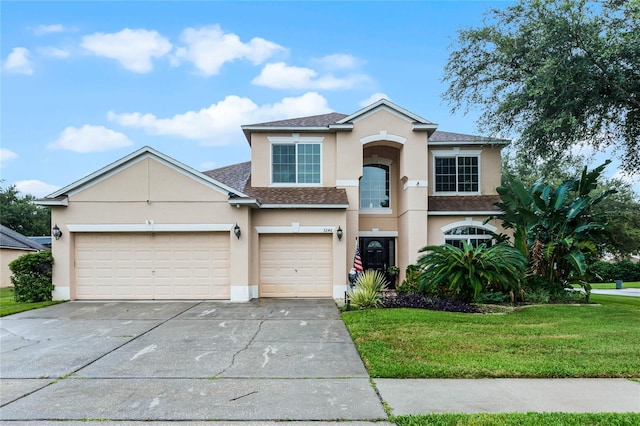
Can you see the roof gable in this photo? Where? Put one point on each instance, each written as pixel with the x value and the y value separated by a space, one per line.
pixel 134 158
pixel 385 104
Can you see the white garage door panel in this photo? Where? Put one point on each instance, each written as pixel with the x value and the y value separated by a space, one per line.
pixel 296 265
pixel 152 266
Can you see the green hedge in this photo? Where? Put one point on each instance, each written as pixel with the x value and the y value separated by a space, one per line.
pixel 625 270
pixel 32 277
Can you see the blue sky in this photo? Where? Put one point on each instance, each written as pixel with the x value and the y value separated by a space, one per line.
pixel 86 83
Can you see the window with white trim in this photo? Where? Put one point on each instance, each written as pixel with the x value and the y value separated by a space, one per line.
pixel 374 186
pixel 472 234
pixel 457 174
pixel 295 163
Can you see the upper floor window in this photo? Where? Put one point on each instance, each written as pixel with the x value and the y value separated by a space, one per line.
pixel 374 186
pixel 457 171
pixel 296 163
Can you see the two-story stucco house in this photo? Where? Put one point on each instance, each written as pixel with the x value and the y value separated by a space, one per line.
pixel 285 224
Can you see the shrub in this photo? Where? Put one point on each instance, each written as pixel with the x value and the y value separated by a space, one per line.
pixel 366 293
pixel 31 277
pixel 624 270
pixel 539 295
pixel 492 297
pixel 410 282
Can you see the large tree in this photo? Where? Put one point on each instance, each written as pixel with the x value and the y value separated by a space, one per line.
pixel 18 212
pixel 556 72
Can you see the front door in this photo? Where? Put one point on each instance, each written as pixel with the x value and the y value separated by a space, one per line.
pixel 378 254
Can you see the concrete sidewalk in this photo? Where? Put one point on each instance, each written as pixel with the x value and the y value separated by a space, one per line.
pixel 425 396
pixel 632 292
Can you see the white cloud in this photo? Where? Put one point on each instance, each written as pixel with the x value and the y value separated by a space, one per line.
pixel 54 52
pixel 282 76
pixel 373 98
pixel 48 29
pixel 134 49
pixel 219 124
pixel 90 139
pixel 19 61
pixel 339 61
pixel 209 48
pixel 35 187
pixel 6 155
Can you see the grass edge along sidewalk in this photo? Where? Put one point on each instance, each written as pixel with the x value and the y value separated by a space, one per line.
pixel 521 419
pixel 597 340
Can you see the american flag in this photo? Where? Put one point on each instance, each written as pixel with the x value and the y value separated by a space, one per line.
pixel 357 260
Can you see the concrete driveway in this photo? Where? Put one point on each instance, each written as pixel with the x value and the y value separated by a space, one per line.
pixel 270 359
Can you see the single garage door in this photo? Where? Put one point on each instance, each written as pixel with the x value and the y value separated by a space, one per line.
pixel 296 265
pixel 189 265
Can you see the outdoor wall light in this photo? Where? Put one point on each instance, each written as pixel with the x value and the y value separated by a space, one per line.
pixel 56 232
pixel 339 233
pixel 236 231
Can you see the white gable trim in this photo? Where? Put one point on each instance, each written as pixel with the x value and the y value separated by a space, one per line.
pixel 134 158
pixel 387 105
pixel 383 136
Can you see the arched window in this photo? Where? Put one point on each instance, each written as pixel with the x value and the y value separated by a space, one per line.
pixel 471 234
pixel 374 186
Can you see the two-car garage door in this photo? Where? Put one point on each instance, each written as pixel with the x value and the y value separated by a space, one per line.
pixel 185 265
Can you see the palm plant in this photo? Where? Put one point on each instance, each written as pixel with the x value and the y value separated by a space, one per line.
pixel 555 227
pixel 367 290
pixel 466 272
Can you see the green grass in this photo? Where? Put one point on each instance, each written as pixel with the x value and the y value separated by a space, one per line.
pixel 612 286
pixel 9 306
pixel 521 419
pixel 538 341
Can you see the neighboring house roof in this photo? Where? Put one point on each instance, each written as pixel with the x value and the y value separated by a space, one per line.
pixel 238 177
pixel 467 203
pixel 10 239
pixel 44 240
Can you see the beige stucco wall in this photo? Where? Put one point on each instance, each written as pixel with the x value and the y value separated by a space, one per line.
pixel 261 157
pixel 8 256
pixel 490 166
pixel 148 193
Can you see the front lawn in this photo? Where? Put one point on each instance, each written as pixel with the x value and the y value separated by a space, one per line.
pixel 9 306
pixel 537 341
pixel 521 419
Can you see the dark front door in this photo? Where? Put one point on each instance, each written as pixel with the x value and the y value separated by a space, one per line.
pixel 378 254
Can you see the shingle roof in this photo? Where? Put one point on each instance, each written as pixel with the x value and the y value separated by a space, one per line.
pixel 440 136
pixel 483 203
pixel 15 240
pixel 234 176
pixel 298 196
pixel 238 176
pixel 323 120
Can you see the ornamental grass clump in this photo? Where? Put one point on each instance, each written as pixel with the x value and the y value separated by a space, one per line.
pixel 367 291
